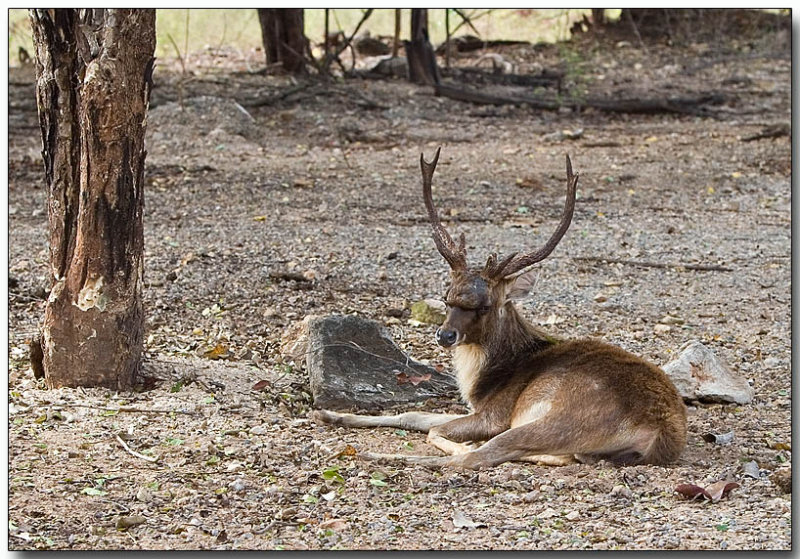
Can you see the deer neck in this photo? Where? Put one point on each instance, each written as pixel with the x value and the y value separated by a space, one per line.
pixel 510 336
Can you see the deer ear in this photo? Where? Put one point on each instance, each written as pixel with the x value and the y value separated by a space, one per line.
pixel 522 285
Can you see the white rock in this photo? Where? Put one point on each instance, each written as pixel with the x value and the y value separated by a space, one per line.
pixel 699 374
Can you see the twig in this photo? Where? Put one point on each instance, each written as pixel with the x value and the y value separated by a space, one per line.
pixel 467 20
pixel 646 264
pixel 133 452
pixel 636 30
pixel 131 410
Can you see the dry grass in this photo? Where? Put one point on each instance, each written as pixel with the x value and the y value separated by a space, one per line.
pixel 193 30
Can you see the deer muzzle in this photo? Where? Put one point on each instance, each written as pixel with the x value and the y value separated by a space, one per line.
pixel 446 337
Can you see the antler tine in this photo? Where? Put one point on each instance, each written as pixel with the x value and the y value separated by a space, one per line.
pixel 455 255
pixel 525 260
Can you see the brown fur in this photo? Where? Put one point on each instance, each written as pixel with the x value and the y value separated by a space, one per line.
pixel 532 394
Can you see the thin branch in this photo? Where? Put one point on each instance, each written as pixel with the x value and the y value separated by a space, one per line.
pixel 646 264
pixel 467 20
pixel 134 453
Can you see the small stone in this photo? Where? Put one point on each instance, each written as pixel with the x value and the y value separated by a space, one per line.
pixel 547 513
pixel 669 319
pixel 258 430
pixel 531 496
pixel 125 522
pixel 572 515
pixel 600 298
pixel 237 485
pixel 144 494
pixel 662 328
pixel 621 492
pixel 428 311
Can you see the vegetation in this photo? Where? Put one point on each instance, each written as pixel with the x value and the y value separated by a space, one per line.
pixel 190 30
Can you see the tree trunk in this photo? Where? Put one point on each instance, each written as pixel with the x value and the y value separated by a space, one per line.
pixel 422 67
pixel 94 75
pixel 282 33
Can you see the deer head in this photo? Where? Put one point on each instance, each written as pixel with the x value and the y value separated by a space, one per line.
pixel 478 297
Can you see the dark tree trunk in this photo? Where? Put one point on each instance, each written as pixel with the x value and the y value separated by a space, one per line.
pixel 422 67
pixel 282 33
pixel 598 17
pixel 94 70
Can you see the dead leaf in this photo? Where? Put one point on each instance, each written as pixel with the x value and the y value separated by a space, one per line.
pixel 460 520
pixel 335 524
pixel 751 469
pixel 261 385
pixel 719 489
pixel 403 378
pixel 529 182
pixel 220 351
pixel 692 491
pixel 713 492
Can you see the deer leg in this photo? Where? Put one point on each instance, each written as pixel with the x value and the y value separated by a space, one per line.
pixel 413 420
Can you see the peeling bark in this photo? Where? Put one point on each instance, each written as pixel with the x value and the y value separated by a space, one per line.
pixel 94 69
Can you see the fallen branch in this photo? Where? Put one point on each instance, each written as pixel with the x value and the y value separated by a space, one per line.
pixel 133 452
pixel 270 99
pixel 473 96
pixel 683 105
pixel 646 264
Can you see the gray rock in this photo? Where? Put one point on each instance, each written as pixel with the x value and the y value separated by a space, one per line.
pixel 699 374
pixel 354 364
pixel 396 67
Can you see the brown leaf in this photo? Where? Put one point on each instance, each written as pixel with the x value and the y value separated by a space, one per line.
pixel 719 489
pixel 692 491
pixel 713 492
pixel 220 351
pixel 403 378
pixel 335 524
pixel 261 385
pixel 416 380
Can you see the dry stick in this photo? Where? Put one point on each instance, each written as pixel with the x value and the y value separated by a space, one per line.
pixel 636 30
pixel 133 452
pixel 467 20
pixel 646 264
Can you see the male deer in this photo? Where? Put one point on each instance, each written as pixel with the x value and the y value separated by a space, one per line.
pixel 533 397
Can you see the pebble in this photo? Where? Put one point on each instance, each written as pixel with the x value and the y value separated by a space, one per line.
pixel 572 515
pixel 531 496
pixel 621 491
pixel 144 494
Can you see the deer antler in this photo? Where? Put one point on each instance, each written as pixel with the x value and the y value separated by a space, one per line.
pixel 456 256
pixel 514 264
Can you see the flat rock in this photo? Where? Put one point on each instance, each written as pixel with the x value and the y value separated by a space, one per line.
pixel 354 364
pixel 699 374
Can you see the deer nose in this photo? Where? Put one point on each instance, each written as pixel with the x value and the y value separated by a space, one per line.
pixel 446 338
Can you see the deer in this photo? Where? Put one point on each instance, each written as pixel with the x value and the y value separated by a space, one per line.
pixel 532 396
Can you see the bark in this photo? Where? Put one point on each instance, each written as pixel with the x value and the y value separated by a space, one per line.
pixel 422 67
pixel 282 33
pixel 94 70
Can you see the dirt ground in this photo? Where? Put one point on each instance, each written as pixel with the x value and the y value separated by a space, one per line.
pixel 324 182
